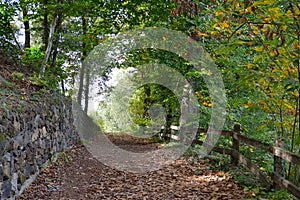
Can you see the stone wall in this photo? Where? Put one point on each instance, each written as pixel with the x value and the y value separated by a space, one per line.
pixel 31 132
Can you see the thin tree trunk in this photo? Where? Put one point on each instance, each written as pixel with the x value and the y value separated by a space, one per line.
pixel 16 41
pixel 83 70
pixel 56 42
pixel 49 46
pixel 26 25
pixel 46 25
pixel 184 107
pixel 188 115
pixel 147 93
pixel 50 39
pixel 293 138
pixel 80 87
pixel 55 49
pixel 63 86
pixel 87 74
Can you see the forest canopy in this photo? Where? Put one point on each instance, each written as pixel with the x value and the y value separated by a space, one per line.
pixel 255 45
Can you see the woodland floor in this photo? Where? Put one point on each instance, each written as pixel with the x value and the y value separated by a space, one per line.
pixel 77 175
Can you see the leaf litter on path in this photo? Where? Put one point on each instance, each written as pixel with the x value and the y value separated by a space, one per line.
pixel 78 175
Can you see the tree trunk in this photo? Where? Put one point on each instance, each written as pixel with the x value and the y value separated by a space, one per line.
pixel 45 25
pixel 53 25
pixel 83 71
pixel 187 109
pixel 56 42
pixel 147 93
pixel 87 70
pixel 80 87
pixel 49 46
pixel 26 25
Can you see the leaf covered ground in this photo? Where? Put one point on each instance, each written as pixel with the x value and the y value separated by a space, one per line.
pixel 77 175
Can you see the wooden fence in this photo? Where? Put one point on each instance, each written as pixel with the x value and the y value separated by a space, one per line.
pixel 275 180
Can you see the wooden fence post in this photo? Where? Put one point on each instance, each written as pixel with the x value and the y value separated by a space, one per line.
pixel 278 163
pixel 235 143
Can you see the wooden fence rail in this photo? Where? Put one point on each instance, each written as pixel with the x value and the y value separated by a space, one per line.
pixel 279 154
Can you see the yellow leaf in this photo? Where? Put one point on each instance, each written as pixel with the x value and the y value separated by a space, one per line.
pixel 256 58
pixel 241 42
pixel 248 104
pixel 248 9
pixel 244 42
pixel 274 9
pixel 261 127
pixel 265 105
pixel 262 81
pixel 267 19
pixel 295 94
pixel 203 134
pixel 291 109
pixel 259 49
pixel 295 44
pixel 284 28
pixel 225 24
pixel 201 34
pixel 281 50
pixel 215 25
pixel 285 71
pixel 251 43
pixel 218 13
pixel 276 70
pixel 263 2
pixel 261 101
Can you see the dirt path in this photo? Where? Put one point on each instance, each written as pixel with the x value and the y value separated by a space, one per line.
pixel 77 175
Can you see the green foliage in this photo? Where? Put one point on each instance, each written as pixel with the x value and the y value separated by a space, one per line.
pixel 254 43
pixel 8 50
pixel 97 120
pixel 157 139
pixel 158 95
pixel 33 57
pixel 47 179
pixel 256 46
pixel 17 76
pixel 259 193
pixel 6 17
pixel 190 153
pixel 48 82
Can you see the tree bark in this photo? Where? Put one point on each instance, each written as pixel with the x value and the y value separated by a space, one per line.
pixel 83 87
pixel 49 46
pixel 45 25
pixel 80 86
pixel 26 25
pixel 56 42
pixel 147 93
pixel 53 26
pixel 87 71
